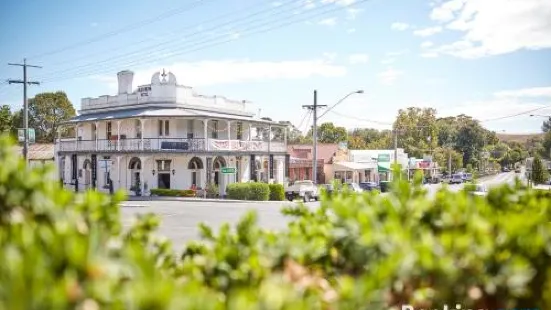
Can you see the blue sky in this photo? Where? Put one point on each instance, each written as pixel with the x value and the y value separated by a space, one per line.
pixel 489 59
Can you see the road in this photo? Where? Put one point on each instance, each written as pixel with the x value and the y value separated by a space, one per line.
pixel 180 218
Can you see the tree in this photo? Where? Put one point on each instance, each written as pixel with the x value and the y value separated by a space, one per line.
pixel 329 133
pixel 546 126
pixel 417 130
pixel 46 112
pixel 5 119
pixel 442 156
pixel 538 172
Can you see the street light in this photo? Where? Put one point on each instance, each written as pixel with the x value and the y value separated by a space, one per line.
pixel 314 108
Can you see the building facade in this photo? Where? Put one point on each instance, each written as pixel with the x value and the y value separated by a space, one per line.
pixel 165 135
pixel 302 161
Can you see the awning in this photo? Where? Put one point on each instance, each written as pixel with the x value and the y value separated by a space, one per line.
pixel 383 167
pixel 352 166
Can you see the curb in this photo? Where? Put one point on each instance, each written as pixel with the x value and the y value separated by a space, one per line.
pixel 197 200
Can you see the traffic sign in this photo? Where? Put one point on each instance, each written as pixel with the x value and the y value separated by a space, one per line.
pixel 228 170
pixel 21 135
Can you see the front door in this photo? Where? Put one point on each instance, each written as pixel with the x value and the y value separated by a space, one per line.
pixel 164 180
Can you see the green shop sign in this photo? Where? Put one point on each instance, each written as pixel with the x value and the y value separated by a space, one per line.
pixel 383 158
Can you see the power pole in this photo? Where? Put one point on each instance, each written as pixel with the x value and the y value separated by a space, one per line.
pixel 314 107
pixel 25 82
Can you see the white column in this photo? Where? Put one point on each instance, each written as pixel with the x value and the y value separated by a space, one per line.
pixel 269 139
pixel 76 137
pixel 142 127
pixel 118 173
pixel 206 133
pixel 229 135
pixel 118 135
pixel 250 131
pixel 143 159
pixel 97 133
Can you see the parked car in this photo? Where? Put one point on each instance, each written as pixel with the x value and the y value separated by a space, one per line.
pixel 467 177
pixel 353 187
pixel 505 169
pixel 384 185
pixel 517 170
pixel 456 179
pixel 369 186
pixel 306 190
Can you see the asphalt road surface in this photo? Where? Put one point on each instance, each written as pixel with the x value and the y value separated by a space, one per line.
pixel 180 218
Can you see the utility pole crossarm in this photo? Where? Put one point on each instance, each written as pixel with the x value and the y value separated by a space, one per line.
pixel 25 82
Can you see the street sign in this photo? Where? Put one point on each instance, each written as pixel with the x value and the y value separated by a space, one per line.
pixel 228 170
pixel 21 135
pixel 383 158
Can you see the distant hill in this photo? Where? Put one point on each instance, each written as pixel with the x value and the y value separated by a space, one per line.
pixel 521 137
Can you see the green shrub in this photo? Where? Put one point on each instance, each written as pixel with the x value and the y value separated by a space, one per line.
pixel 61 250
pixel 277 192
pixel 172 192
pixel 237 191
pixel 248 191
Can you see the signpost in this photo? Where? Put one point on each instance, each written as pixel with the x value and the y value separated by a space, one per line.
pixel 228 170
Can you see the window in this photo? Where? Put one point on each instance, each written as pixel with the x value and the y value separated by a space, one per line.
pixel 190 130
pixel 239 131
pixel 163 165
pixel 194 178
pixel 138 127
pixel 164 128
pixel 214 130
pixel 108 130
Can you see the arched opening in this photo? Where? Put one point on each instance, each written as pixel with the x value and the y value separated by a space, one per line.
pixel 135 167
pixel 217 165
pixel 194 165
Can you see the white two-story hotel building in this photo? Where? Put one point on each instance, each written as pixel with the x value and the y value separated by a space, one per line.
pixel 164 135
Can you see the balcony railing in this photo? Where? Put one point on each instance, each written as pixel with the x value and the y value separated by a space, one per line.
pixel 169 145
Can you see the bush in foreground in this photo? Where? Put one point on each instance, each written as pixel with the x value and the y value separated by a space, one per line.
pixel 64 251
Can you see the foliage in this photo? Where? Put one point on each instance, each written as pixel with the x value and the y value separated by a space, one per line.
pixel 46 112
pixel 538 171
pixel 5 119
pixel 60 250
pixel 172 192
pixel 329 133
pixel 277 192
pixel 212 190
pixel 248 191
pixel 417 130
pixel 443 155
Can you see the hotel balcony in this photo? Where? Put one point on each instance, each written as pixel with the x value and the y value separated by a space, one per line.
pixel 164 145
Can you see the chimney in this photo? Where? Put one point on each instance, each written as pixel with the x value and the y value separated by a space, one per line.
pixel 125 81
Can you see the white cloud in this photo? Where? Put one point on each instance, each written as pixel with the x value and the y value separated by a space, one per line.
pixel 205 73
pixel 429 55
pixel 351 30
pixel 397 53
pixel 330 56
pixel 358 58
pixel 389 76
pixel 352 13
pixel 399 26
pixel 427 32
pixel 276 3
pixel 388 61
pixel 332 21
pixel 534 92
pixel 309 4
pixel 427 44
pixel 494 27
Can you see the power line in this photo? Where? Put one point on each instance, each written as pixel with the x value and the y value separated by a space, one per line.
pixel 186 27
pixel 259 31
pixel 361 119
pixel 515 115
pixel 126 28
pixel 172 44
pixel 303 118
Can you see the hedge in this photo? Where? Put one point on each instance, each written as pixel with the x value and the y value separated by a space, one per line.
pixel 61 250
pixel 172 192
pixel 248 191
pixel 277 192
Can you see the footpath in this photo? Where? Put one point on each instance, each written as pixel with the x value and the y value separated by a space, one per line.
pixel 195 199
